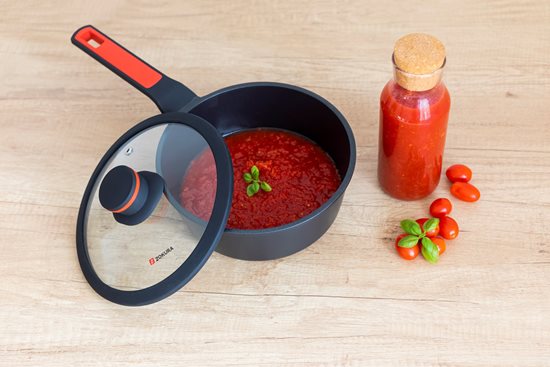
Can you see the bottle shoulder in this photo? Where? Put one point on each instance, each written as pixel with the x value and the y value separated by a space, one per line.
pixel 396 100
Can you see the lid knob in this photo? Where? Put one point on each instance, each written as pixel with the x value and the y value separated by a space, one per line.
pixel 131 196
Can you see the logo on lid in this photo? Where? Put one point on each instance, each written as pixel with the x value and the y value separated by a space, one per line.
pixel 155 259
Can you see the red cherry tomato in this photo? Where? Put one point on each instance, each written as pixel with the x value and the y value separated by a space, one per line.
pixel 459 173
pixel 440 243
pixel 441 207
pixel 448 228
pixel 465 191
pixel 431 233
pixel 406 253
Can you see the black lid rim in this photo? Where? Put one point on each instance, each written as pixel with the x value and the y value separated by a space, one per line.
pixel 210 238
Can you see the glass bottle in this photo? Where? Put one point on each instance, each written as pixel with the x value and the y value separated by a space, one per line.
pixel 414 109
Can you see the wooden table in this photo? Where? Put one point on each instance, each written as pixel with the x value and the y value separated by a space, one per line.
pixel 348 300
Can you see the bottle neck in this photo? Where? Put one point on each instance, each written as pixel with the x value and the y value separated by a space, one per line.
pixel 417 82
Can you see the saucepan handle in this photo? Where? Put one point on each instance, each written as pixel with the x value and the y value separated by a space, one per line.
pixel 168 94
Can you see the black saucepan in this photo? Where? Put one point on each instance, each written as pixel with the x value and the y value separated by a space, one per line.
pixel 243 106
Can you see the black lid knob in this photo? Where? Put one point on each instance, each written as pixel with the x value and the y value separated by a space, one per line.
pixel 131 196
pixel 118 188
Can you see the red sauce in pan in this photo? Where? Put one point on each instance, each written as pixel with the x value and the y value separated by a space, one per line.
pixel 301 174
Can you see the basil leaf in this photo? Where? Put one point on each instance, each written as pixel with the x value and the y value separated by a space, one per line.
pixel 255 187
pixel 431 224
pixel 265 186
pixel 247 177
pixel 250 190
pixel 411 227
pixel 430 250
pixel 255 172
pixel 408 241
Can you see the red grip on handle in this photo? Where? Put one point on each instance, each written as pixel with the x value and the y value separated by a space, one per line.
pixel 118 57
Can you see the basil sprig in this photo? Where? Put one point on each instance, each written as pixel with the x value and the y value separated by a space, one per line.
pixel 415 234
pixel 411 227
pixel 252 178
pixel 430 250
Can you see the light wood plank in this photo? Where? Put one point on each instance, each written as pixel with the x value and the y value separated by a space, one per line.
pixel 347 300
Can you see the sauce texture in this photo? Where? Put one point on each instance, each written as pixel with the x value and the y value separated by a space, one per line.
pixel 302 177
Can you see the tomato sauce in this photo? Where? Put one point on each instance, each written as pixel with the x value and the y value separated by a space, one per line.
pixel 413 128
pixel 302 177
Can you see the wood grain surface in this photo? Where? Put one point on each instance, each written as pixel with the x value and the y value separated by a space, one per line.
pixel 347 300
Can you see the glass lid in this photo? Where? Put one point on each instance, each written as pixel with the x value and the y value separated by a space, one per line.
pixel 154 209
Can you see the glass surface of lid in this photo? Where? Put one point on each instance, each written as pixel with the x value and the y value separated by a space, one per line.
pixel 137 240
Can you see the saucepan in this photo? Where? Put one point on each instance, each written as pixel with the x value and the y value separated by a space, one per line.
pixel 231 109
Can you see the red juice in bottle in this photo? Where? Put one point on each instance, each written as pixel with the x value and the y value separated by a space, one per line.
pixel 414 109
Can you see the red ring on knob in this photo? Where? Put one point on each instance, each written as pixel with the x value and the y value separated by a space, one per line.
pixel 132 198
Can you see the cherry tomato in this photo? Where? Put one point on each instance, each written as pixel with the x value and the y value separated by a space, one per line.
pixel 459 173
pixel 465 191
pixel 406 253
pixel 431 233
pixel 448 228
pixel 441 207
pixel 440 243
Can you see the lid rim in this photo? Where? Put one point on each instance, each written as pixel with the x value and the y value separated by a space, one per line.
pixel 208 241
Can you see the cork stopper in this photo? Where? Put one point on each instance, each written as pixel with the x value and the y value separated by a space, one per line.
pixel 419 60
